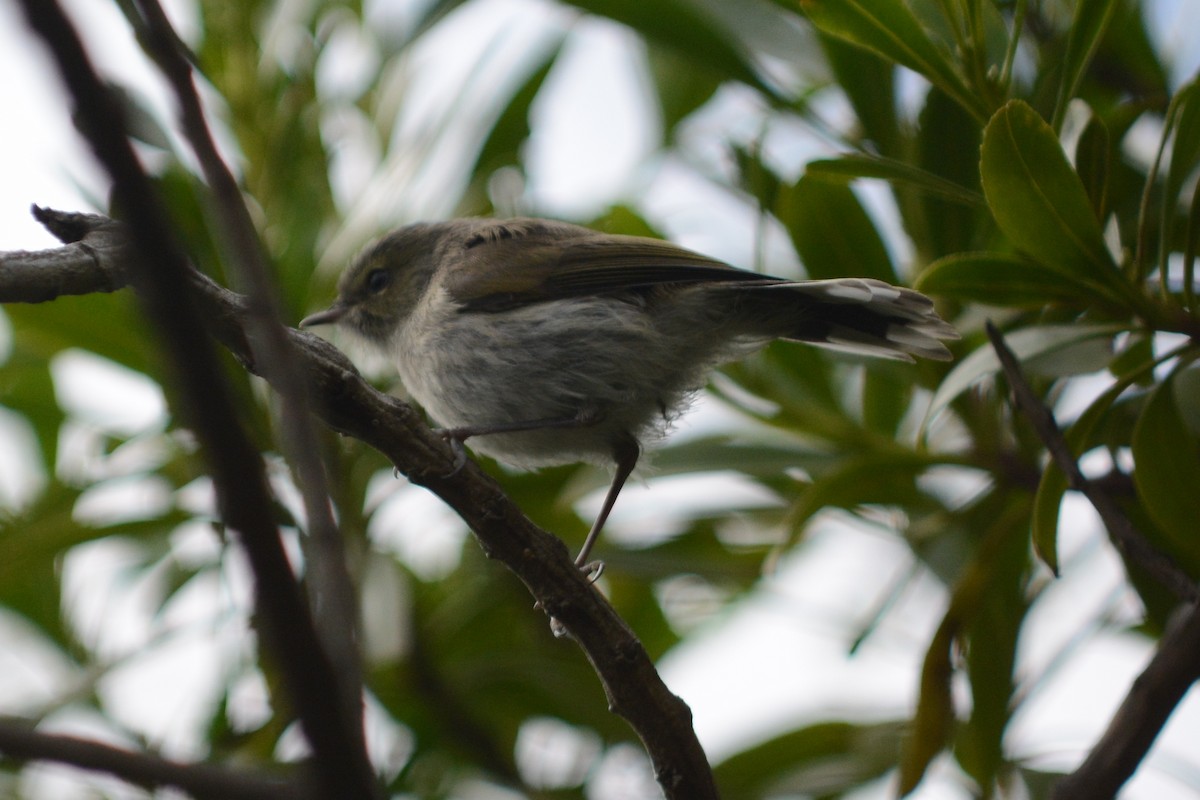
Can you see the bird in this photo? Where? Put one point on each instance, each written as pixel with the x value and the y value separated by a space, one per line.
pixel 545 343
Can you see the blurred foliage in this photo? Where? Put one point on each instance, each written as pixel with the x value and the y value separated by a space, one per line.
pixel 1021 193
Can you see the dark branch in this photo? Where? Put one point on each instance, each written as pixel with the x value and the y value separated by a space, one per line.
pixel 19 740
pixel 335 610
pixel 1121 531
pixel 345 402
pixel 1176 664
pixel 161 274
pixel 1132 730
pixel 47 274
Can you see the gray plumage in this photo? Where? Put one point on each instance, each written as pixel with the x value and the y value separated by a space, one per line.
pixel 548 343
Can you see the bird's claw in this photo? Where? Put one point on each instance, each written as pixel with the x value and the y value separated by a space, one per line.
pixel 592 570
pixel 455 441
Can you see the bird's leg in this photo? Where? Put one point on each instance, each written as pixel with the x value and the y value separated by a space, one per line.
pixel 626 451
pixel 456 436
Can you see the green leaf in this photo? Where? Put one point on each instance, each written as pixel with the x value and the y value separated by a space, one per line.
pixel 935 718
pixel 1092 162
pixel 874 479
pixel 1134 355
pixel 993 631
pixel 999 557
pixel 757 459
pixel 1026 344
pixel 511 129
pixel 870 86
pixel 822 760
pixel 889 28
pixel 832 232
pixel 1082 357
pixel 1087 29
pixel 27 388
pixel 754 177
pixel 34 542
pixel 688 29
pixel 800 382
pixel 682 85
pixel 1040 203
pixel 624 220
pixel 1185 153
pixel 108 325
pixel 948 148
pixel 1191 246
pixel 898 173
pixel 1128 47
pixel 997 279
pixel 698 553
pixel 1047 502
pixel 1187 393
pixel 886 396
pixel 1166 457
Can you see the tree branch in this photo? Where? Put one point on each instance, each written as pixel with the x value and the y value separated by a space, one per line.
pixel 1121 531
pixel 161 273
pixel 1176 664
pixel 19 739
pixel 331 591
pixel 345 402
pixel 1143 713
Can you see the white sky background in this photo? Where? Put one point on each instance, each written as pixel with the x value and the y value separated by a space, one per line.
pixel 771 663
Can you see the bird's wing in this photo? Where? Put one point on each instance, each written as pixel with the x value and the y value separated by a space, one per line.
pixel 525 262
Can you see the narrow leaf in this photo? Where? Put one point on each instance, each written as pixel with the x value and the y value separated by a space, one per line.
pixel 973 591
pixel 1047 503
pixel 997 279
pixel 511 129
pixel 864 165
pixel 1167 472
pixel 1080 437
pixel 935 708
pixel 1092 164
pixel 832 232
pixel 821 760
pixel 1087 29
pixel 1185 153
pixel 878 479
pixel 685 27
pixel 947 146
pixel 869 83
pixel 1026 344
pixel 889 28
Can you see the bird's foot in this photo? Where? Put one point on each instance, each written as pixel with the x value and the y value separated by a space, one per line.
pixel 455 438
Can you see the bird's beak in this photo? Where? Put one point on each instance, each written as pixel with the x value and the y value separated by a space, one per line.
pixel 326 317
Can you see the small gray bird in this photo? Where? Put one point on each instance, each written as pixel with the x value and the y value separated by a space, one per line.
pixel 547 343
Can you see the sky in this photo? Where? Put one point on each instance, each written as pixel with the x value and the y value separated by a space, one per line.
pixel 784 650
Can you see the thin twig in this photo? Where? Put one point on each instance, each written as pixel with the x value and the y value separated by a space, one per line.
pixel 161 274
pixel 19 739
pixel 332 595
pixel 1121 531
pixel 1176 664
pixel 1143 713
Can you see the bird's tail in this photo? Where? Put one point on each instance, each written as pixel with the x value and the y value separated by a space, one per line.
pixel 858 315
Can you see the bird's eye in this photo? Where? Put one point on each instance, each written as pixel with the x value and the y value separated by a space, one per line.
pixel 377 280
